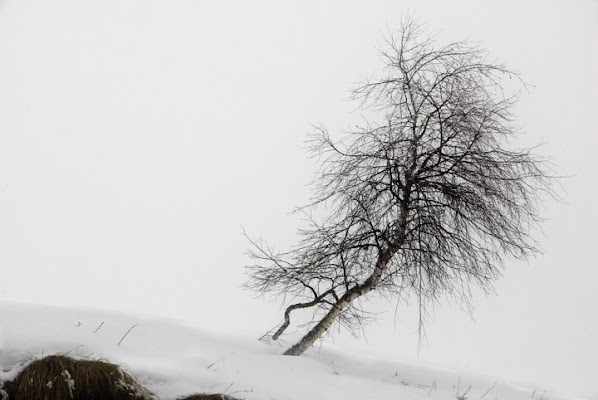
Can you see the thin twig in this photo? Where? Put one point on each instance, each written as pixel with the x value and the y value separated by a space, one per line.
pixel 433 387
pixel 220 359
pixel 73 349
pixel 228 387
pixel 98 328
pixel 488 391
pixel 123 338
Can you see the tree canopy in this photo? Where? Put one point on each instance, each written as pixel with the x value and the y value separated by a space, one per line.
pixel 431 198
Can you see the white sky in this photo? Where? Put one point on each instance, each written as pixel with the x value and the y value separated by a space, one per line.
pixel 138 137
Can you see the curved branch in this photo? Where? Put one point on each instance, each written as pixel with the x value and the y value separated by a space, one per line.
pixel 287 313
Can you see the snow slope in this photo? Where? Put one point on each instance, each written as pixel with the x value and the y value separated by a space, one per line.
pixel 173 360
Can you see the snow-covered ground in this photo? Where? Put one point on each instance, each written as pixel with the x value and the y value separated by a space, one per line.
pixel 173 360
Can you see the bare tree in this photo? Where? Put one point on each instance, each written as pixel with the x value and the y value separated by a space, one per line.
pixel 429 202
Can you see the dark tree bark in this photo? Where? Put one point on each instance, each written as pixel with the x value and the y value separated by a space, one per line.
pixel 431 201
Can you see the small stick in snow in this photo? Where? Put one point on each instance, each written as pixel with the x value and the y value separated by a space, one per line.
pixel 220 359
pixel 433 387
pixel 123 338
pixel 73 349
pixel 229 386
pixel 488 391
pixel 98 328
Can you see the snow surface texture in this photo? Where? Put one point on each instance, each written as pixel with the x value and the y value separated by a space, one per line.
pixel 173 360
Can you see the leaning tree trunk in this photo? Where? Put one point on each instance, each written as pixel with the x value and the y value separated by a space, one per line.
pixel 317 331
pixel 356 291
pixel 359 290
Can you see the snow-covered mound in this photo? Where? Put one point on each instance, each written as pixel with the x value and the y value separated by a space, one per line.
pixel 173 360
